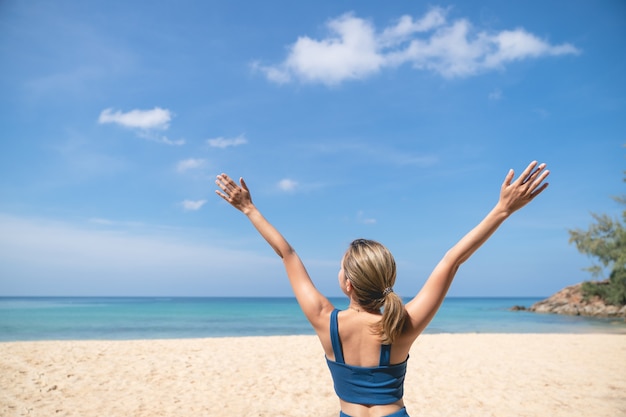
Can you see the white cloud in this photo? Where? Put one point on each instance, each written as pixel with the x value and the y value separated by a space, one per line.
pixel 190 164
pixel 227 142
pixel 350 54
pixel 145 122
pixel 177 142
pixel 518 44
pixel 354 49
pixel 156 118
pixel 406 27
pixel 287 184
pixel 191 205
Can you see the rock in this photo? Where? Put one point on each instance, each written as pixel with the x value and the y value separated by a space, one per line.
pixel 570 301
pixel 518 308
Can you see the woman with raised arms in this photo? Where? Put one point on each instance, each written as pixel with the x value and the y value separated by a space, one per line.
pixel 367 345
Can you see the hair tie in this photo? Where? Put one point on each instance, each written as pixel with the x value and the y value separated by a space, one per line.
pixel 387 291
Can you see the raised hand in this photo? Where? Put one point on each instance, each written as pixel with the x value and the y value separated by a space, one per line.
pixel 237 195
pixel 515 195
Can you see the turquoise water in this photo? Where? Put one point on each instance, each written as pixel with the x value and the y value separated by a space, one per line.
pixel 126 318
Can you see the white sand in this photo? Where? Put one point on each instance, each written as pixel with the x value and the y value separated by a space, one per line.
pixel 449 375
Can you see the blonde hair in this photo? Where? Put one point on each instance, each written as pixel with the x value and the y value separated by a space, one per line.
pixel 371 269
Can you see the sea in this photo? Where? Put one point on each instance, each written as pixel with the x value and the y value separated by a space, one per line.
pixel 132 318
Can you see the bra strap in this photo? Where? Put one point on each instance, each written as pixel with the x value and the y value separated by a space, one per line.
pixel 334 337
pixel 385 355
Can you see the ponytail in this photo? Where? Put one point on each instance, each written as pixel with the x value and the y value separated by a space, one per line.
pixel 392 322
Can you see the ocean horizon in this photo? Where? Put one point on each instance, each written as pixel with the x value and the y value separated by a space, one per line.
pixel 133 318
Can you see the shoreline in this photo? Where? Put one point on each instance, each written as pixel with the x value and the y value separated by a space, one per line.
pixel 469 374
pixel 617 332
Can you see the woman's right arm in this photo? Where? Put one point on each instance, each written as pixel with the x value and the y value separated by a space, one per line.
pixel 315 306
pixel 513 196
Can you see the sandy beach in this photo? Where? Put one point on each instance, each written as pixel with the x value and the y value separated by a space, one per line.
pixel 449 375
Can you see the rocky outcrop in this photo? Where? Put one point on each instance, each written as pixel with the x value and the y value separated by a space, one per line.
pixel 570 301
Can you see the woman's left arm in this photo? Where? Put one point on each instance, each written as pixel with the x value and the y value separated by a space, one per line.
pixel 315 306
pixel 513 196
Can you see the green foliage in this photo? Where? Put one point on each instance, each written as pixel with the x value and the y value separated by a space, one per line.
pixel 605 240
pixel 612 291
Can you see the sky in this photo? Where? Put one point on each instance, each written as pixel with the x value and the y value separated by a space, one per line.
pixel 395 121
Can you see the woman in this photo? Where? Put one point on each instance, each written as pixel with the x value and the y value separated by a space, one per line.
pixel 367 345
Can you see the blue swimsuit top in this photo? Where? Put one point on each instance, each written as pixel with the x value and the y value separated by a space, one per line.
pixel 376 385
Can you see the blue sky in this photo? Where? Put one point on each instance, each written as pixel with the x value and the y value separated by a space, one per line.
pixel 395 121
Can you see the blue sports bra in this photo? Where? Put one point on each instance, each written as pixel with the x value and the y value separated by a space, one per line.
pixel 377 385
